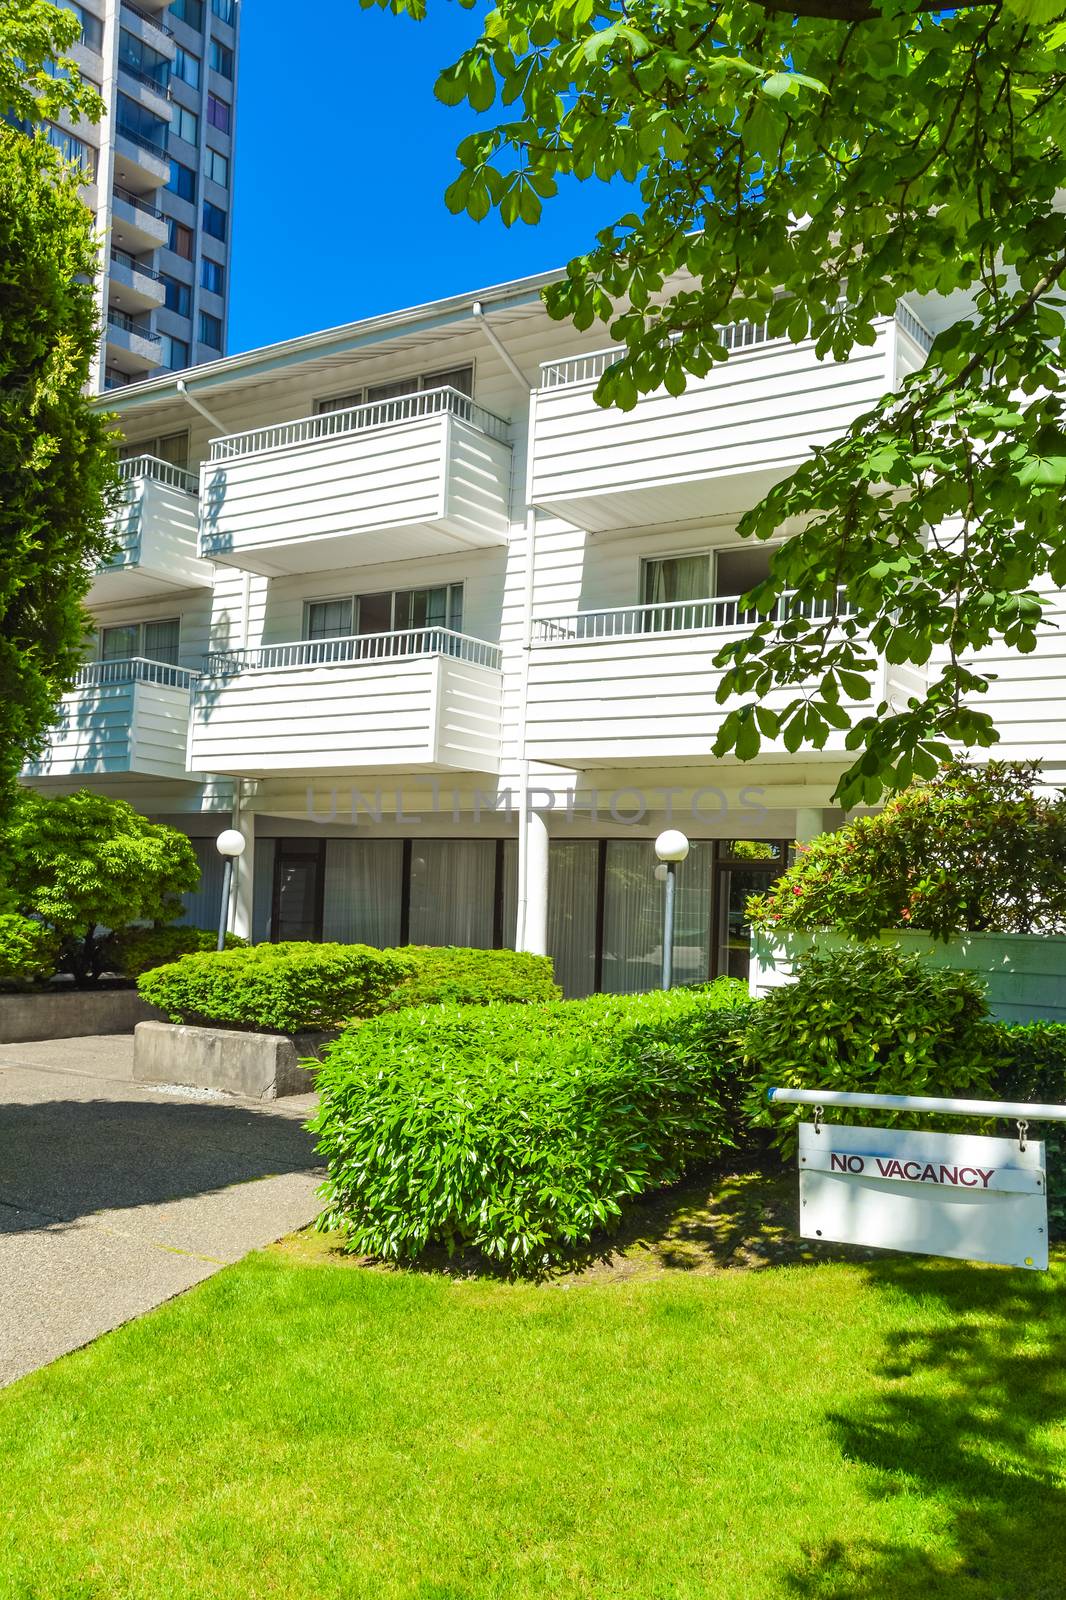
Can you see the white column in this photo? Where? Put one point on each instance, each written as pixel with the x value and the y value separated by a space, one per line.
pixel 810 822
pixel 244 874
pixel 534 934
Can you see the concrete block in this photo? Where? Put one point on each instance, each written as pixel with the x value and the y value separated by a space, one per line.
pixel 257 1066
pixel 71 1013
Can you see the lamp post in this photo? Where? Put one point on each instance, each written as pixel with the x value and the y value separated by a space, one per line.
pixel 229 844
pixel 671 847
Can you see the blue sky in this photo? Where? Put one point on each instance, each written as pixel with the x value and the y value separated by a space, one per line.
pixel 343 156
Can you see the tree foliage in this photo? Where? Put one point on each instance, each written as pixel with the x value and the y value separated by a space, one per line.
pixel 809 165
pixel 84 862
pixel 977 850
pixel 56 464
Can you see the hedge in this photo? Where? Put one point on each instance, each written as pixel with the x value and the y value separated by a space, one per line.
pixel 520 1131
pixel 137 950
pixel 276 988
pixel 28 951
pixel 473 977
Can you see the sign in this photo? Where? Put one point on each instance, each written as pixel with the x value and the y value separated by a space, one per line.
pixel 937 1194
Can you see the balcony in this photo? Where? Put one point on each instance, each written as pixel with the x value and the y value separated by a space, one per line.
pixel 430 470
pixel 717 448
pixel 136 223
pixel 637 687
pixel 121 717
pixel 425 700
pixel 140 163
pixel 132 285
pixel 156 528
pixel 130 346
pixel 148 27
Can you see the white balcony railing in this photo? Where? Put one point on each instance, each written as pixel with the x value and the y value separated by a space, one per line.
pixel 736 336
pixel 133 669
pixel 360 419
pixel 355 647
pixel 134 467
pixel 722 614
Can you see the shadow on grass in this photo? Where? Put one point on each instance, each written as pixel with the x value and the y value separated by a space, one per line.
pixel 969 1412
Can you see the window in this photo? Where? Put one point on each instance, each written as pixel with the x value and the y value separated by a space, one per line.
pixel 214 220
pixel 216 166
pixel 182 180
pixel 92 29
pixel 218 113
pixel 461 378
pixel 179 238
pixel 72 149
pixel 140 125
pixel 186 67
pixel 172 447
pixel 178 295
pixel 737 571
pixel 189 11
pixel 142 61
pixel 225 10
pixel 210 330
pixel 671 580
pixel 175 352
pixel 221 58
pixel 155 641
pixel 391 611
pixel 186 124
pixel 212 275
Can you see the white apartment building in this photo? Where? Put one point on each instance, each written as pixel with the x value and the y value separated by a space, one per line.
pixel 158 178
pixel 437 633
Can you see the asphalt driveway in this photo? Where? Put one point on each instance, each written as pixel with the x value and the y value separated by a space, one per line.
pixel 114 1197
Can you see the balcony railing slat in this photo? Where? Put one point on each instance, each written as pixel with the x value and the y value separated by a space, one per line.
pixel 133 669
pixel 351 648
pixel 374 414
pixel 720 614
pixel 146 466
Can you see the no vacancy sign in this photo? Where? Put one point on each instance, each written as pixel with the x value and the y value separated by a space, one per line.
pixel 937 1194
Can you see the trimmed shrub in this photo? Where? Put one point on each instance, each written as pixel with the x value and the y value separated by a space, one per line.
pixel 137 950
pixel 868 1019
pixel 474 977
pixel 28 951
pixel 276 988
pixel 1031 1066
pixel 519 1131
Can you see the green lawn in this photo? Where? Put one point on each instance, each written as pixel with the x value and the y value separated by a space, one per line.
pixel 306 1429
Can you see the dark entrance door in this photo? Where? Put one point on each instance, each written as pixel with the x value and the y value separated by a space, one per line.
pixel 298 886
pixel 745 867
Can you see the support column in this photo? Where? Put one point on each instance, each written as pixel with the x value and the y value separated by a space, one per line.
pixel 244 876
pixel 810 822
pixel 534 936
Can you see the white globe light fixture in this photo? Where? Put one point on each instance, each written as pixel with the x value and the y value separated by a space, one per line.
pixel 671 847
pixel 229 844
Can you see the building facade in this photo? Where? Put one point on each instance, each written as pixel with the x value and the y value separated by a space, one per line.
pixel 158 179
pixel 437 634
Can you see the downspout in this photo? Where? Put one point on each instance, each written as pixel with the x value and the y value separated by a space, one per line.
pixel 527 623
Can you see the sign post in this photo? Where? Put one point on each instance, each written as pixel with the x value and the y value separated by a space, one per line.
pixel 967 1196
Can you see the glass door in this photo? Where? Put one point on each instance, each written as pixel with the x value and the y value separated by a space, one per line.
pixel 745 867
pixel 298 886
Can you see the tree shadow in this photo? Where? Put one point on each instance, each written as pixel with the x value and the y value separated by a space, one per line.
pixel 61 1160
pixel 965 1412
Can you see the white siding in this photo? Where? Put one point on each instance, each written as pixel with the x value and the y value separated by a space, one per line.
pixel 137 728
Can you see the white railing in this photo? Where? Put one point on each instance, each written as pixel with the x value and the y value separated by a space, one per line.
pixel 736 336
pixel 721 614
pixel 356 647
pixel 360 419
pixel 135 467
pixel 590 368
pixel 133 669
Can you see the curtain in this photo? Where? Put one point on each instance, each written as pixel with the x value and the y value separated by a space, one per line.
pixel 633 917
pixel 203 905
pixel 263 890
pixel 362 890
pixel 572 873
pixel 677 578
pixel 453 891
pixel 509 893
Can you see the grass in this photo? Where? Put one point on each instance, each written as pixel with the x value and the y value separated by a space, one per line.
pixel 658 1427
